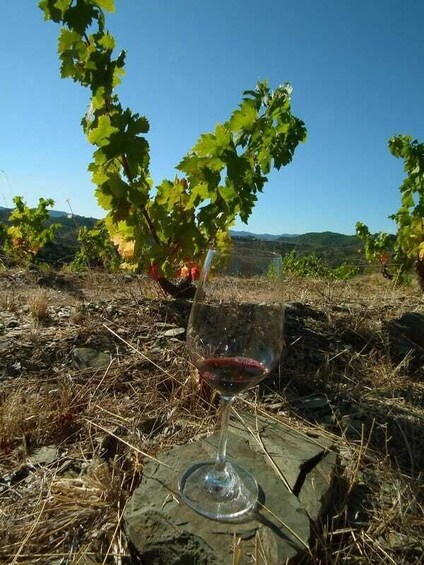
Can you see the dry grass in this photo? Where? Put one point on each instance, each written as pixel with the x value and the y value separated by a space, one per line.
pixel 38 304
pixel 8 301
pixel 102 425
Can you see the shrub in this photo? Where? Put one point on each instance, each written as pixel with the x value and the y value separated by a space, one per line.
pixel 96 250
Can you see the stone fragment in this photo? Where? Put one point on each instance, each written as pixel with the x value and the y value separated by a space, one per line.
pixel 173 332
pixel 412 324
pixel 86 357
pixel 406 335
pixel 44 455
pixel 308 464
pixel 5 344
pixel 163 542
pixel 294 473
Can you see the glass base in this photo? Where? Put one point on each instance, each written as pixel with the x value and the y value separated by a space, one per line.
pixel 224 496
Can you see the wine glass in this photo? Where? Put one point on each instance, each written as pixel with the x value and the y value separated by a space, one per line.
pixel 235 338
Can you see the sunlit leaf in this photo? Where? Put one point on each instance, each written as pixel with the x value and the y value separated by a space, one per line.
pixel 101 134
pixel 108 5
pixel 223 172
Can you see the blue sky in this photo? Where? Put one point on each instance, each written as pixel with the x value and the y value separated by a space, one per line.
pixel 356 67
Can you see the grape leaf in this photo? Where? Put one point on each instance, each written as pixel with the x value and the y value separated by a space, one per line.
pixel 100 135
pixel 107 41
pixel 51 12
pixel 68 40
pixel 78 17
pixel 223 171
pixel 108 5
pixel 245 117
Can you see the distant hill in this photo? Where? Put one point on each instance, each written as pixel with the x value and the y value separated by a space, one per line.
pixel 326 238
pixel 264 236
pixel 58 214
pixel 311 238
pixel 333 248
pixel 4 213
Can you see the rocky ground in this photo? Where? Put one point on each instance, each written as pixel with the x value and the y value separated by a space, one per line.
pixel 95 381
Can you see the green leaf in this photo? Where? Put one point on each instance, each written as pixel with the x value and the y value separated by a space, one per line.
pixel 222 137
pixel 108 5
pixel 51 12
pixel 198 194
pixel 100 135
pixel 99 175
pixel 78 17
pixel 245 118
pixel 68 40
pixel 139 125
pixel 238 168
pixel 228 193
pixel 206 146
pixel 223 172
pixel 107 41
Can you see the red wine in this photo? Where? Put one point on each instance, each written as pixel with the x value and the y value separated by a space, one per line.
pixel 231 375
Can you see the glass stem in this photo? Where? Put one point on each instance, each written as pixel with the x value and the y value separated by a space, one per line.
pixel 219 470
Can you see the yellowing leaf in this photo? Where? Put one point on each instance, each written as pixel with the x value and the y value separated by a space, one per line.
pixel 125 248
pixel 421 251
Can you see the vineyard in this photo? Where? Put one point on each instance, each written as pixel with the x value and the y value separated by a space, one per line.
pixel 165 228
pixel 95 381
pixel 95 376
pixel 327 251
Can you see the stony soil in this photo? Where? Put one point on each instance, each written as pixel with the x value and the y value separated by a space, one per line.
pixel 95 380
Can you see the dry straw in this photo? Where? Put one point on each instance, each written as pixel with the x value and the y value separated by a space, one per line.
pixel 106 424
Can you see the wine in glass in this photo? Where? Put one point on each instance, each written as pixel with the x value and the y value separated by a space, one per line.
pixel 235 338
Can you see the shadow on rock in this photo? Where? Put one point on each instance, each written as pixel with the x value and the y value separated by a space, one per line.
pixel 406 339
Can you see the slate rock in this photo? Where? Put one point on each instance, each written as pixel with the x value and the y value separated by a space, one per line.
pixel 173 332
pixel 406 336
pixel 44 455
pixel 5 344
pixel 412 325
pixel 308 464
pixel 160 525
pixel 165 543
pixel 87 357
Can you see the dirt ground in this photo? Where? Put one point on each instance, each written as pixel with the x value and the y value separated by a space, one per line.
pixel 74 436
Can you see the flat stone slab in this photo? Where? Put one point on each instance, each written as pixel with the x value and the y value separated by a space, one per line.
pixel 294 473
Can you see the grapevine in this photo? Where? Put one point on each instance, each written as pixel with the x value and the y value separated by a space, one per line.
pixel 29 231
pixel 170 225
pixel 95 250
pixel 407 251
pixel 311 266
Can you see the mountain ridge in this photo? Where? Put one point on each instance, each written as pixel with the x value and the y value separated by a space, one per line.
pixel 264 236
pixel 332 247
pixel 235 233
